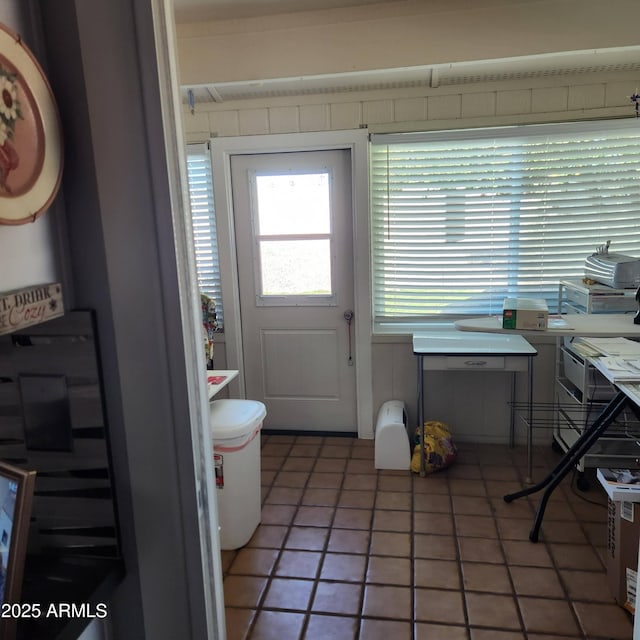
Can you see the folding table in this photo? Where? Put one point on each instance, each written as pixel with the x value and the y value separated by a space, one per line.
pixel 455 350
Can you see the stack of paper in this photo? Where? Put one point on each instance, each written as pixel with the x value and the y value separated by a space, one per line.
pixel 621 368
pixel 612 346
pixel 617 358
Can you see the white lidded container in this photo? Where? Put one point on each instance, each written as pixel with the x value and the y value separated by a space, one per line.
pixel 235 430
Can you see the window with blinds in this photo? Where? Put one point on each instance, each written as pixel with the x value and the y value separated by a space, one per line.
pixel 463 219
pixel 200 181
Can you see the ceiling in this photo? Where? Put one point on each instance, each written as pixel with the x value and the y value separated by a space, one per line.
pixel 622 59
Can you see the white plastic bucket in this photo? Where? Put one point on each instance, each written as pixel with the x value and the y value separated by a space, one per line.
pixel 235 431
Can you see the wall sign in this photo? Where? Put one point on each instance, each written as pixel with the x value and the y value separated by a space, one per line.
pixel 25 307
pixel 30 136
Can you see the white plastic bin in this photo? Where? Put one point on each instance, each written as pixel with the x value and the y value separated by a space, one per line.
pixel 393 446
pixel 235 431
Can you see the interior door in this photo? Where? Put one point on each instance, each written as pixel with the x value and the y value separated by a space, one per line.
pixel 293 220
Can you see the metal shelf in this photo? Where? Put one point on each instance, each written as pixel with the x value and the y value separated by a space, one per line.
pixel 619 447
pixel 581 392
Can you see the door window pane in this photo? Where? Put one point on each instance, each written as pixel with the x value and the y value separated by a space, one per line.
pixel 293 204
pixel 295 267
pixel 292 225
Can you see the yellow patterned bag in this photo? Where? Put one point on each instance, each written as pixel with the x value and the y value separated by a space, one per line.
pixel 440 451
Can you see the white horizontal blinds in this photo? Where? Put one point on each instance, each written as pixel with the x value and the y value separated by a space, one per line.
pixel 463 219
pixel 200 180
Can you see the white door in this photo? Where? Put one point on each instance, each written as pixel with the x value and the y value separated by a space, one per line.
pixel 293 220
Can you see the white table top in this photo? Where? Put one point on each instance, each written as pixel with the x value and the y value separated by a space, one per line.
pixel 453 343
pixel 225 375
pixel 604 325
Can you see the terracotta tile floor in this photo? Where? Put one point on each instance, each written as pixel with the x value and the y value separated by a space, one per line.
pixel 345 551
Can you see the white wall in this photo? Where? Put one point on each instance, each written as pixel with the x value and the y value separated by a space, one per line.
pixel 29 253
pixel 581 96
pixel 399 34
pixel 564 98
pixel 405 34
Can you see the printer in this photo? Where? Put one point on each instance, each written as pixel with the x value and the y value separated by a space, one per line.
pixel 613 269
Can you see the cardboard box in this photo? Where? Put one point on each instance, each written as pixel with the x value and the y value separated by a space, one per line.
pixel 621 485
pixel 525 313
pixel 623 529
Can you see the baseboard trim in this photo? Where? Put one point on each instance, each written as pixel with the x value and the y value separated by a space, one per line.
pixel 302 432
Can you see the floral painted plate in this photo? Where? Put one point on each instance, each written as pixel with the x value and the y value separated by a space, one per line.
pixel 30 136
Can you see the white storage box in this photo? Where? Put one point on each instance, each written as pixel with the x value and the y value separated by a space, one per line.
pixel 529 314
pixel 235 431
pixel 392 447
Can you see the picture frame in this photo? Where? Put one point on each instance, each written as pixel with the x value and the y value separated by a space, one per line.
pixel 31 154
pixel 16 499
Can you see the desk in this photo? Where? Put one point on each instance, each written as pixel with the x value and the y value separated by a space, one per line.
pixel 453 350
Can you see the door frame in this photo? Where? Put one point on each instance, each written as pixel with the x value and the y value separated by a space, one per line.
pixel 356 141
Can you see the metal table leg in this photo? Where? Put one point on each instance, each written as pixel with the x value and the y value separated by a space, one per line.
pixel 588 438
pixel 528 478
pixel 423 471
pixel 512 418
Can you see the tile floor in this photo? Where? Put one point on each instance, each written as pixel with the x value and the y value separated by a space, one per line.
pixel 348 552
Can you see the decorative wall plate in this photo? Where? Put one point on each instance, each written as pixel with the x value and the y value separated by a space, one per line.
pixel 30 136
